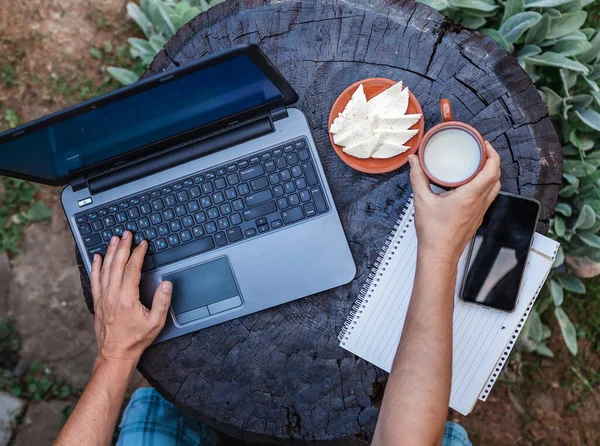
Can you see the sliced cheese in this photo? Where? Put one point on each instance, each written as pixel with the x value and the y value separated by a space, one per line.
pixel 388 150
pixel 395 122
pixel 356 110
pixel 385 97
pixel 397 137
pixel 358 132
pixel 364 149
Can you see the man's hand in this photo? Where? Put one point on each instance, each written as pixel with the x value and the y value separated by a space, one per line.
pixel 124 326
pixel 446 222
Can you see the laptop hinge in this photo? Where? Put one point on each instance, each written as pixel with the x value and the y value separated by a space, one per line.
pixel 79 183
pixel 279 113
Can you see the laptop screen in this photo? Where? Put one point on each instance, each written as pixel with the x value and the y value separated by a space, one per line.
pixel 119 126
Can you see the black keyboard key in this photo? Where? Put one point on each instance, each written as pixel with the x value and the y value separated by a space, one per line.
pixel 304 196
pixel 276 224
pixel 250 232
pixel 265 156
pixel 223 223
pixel 92 240
pixel 97 225
pixel 133 213
pixel 180 210
pixel 243 164
pixel 187 221
pixel 254 160
pixel 300 143
pixel 261 221
pixel 195 192
pixel 236 219
pixel 319 199
pixel 207 188
pixel 138 238
pixel 232 168
pixel 212 213
pixel 218 197
pixel 113 208
pixel 187 249
pixel 270 166
pixel 278 191
pixel 85 229
pixel 143 223
pixel 303 155
pixel 185 236
pixel 288 148
pixel 234 234
pixel 155 194
pixel 188 183
pixel 145 209
pixel 243 189
pixel 167 190
pixel 198 231
pixel 259 211
pixel 296 171
pixel 173 240
pixel 258 197
pixel 230 193
pixel 289 187
pixel 135 201
pixel 200 217
pixel 177 187
pixel 221 171
pixel 209 176
pixel 282 203
pixel 274 178
pixel 291 158
pixel 159 244
pixel 220 183
pixel 205 202
pixel 157 204
pixel 238 205
pixel 81 219
pixel 102 212
pixel 168 214
pixel 285 175
pixel 175 225
pixel 252 172
pixel 163 230
pixel 131 226
pixel 309 210
pixel 124 205
pixel 93 215
pixel 107 235
pixel 263 228
pixel 151 249
pixel 294 200
pixel 118 230
pixel 193 206
pixel 292 215
pixel 170 200
pixel 225 209
pixel 97 250
pixel 151 233
pixel 259 184
pixel 156 219
pixel 233 179
pixel 220 239
pixel 144 198
pixel 300 183
pixel 309 172
pixel 210 227
pixel 280 162
pixel 109 221
pixel 199 179
pixel 277 152
pixel 182 196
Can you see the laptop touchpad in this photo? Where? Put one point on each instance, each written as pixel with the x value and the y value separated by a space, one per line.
pixel 203 290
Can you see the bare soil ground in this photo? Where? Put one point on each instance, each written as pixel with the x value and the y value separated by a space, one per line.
pixel 46 64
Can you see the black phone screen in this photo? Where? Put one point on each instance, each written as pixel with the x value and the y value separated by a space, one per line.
pixel 500 251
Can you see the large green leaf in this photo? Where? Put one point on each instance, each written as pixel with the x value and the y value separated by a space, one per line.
pixel 538 33
pixel 570 48
pixel 473 4
pixel 586 218
pixel 556 60
pixel 593 53
pixel 578 168
pixel 511 8
pixel 122 75
pixel 596 96
pixel 37 212
pixel 571 283
pixel 568 330
pixel 569 79
pixel 560 257
pixel 140 18
pixel 559 226
pixel 529 50
pixel 494 34
pixel 553 101
pixel 535 326
pixel 589 239
pixel 556 292
pixel 515 26
pixel 564 209
pixel 566 24
pixel 580 101
pixel 590 118
pixel 544 3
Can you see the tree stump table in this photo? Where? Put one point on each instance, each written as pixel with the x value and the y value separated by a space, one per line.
pixel 279 375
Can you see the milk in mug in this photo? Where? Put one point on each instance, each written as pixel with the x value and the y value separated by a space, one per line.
pixel 452 155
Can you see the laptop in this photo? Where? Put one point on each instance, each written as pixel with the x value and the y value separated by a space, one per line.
pixel 211 165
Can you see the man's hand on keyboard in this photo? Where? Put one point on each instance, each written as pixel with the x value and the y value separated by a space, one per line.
pixel 124 326
pixel 446 222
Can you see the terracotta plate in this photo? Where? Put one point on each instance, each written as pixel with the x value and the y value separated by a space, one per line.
pixel 372 88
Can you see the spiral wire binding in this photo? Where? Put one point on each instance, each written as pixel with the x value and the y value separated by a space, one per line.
pixel 371 283
pixel 488 387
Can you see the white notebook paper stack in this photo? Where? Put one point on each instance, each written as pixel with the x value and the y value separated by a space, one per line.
pixel 482 338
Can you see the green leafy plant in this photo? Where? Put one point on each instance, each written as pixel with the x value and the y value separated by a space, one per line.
pixel 158 20
pixel 561 54
pixel 18 207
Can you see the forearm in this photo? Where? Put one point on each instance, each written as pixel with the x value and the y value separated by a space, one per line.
pixel 415 403
pixel 94 418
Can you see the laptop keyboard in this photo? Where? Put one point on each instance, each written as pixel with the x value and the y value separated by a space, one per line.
pixel 236 201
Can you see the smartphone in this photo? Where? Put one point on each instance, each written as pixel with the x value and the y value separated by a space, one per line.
pixel 499 251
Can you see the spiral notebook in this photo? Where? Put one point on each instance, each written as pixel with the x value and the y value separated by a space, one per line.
pixel 482 338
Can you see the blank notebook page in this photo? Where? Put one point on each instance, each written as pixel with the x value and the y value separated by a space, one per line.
pixel 482 338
